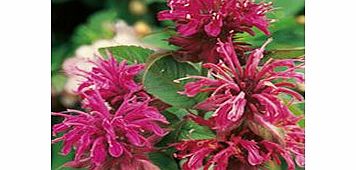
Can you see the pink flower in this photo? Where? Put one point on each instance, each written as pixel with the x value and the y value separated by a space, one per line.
pixel 286 139
pixel 105 137
pixel 246 150
pixel 200 23
pixel 236 152
pixel 245 102
pixel 237 91
pixel 216 17
pixel 112 79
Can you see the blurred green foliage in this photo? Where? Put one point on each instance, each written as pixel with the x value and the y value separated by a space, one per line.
pixel 99 26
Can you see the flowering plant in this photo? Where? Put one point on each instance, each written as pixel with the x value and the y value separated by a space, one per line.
pixel 219 99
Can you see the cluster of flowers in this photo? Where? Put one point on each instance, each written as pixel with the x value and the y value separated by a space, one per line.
pixel 253 126
pixel 120 126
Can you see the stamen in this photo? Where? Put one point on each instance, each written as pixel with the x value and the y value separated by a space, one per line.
pixel 188 16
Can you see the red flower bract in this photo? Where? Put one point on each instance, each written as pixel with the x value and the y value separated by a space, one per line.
pixel 201 22
pixel 246 98
pixel 103 137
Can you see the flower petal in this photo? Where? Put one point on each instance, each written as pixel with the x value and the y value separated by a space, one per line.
pixel 98 152
pixel 115 148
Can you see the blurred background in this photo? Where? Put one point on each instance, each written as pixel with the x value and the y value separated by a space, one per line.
pixel 80 27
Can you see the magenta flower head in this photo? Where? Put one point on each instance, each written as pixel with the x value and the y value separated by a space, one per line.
pixel 236 153
pixel 112 79
pixel 245 98
pixel 200 22
pixel 104 138
pixel 237 91
pixel 216 17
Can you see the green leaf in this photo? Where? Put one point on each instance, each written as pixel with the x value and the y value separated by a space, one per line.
pixel 171 117
pixel 184 129
pixel 59 53
pixel 272 165
pixel 288 8
pixel 208 115
pixel 283 8
pixel 298 109
pixel 58 81
pixel 159 77
pixel 191 130
pixel 153 1
pixel 286 33
pixel 286 53
pixel 57 159
pixel 179 112
pixel 160 40
pixel 284 165
pixel 173 135
pixel 131 54
pixel 100 25
pixel 163 161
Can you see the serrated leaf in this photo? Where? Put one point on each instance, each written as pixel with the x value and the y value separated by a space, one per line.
pixel 132 54
pixel 163 161
pixel 159 77
pixel 286 33
pixel 191 130
pixel 160 40
pixel 288 39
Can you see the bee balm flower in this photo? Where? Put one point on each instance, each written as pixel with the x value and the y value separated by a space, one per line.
pixel 238 91
pixel 238 153
pixel 200 23
pixel 248 113
pixel 216 17
pixel 104 138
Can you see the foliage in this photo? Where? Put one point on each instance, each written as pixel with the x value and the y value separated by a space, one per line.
pixel 160 80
